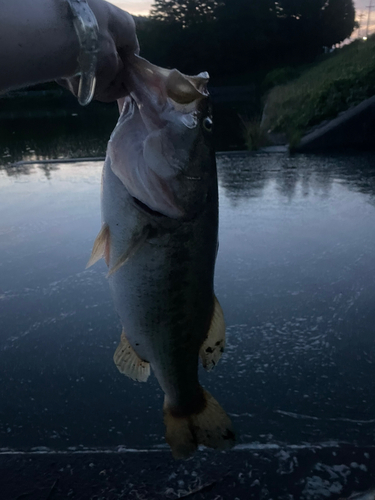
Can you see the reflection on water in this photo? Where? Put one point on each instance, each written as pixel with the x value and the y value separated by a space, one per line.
pixel 294 277
pixel 84 132
pixel 66 137
pixel 295 175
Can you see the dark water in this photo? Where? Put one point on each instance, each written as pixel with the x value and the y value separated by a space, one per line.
pixel 35 129
pixel 295 277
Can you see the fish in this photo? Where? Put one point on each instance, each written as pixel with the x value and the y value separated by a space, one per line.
pixel 159 239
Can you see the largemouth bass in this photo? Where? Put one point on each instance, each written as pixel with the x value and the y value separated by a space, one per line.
pixel 159 240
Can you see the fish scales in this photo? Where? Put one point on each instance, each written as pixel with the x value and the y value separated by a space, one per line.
pixel 167 289
pixel 159 238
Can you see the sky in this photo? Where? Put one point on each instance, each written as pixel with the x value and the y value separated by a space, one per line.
pixel 136 7
pixel 142 7
pixel 360 6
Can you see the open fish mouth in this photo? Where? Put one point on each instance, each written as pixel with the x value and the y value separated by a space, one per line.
pixel 148 82
pixel 152 145
pixel 163 95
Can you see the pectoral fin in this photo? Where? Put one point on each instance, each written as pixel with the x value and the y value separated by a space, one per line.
pixel 136 242
pixel 129 363
pixel 101 247
pixel 213 347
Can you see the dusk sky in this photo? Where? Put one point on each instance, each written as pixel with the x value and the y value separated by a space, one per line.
pixel 142 7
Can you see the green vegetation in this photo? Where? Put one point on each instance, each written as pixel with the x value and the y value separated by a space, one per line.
pixel 239 42
pixel 254 135
pixel 343 79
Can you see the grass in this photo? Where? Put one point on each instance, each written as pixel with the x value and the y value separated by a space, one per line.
pixel 343 79
pixel 254 134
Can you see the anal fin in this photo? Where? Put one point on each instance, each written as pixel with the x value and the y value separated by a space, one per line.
pixel 101 247
pixel 129 363
pixel 213 347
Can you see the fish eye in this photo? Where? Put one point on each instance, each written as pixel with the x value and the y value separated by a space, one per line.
pixel 207 124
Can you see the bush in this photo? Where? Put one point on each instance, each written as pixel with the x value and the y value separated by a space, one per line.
pixel 280 76
pixel 323 91
pixel 254 134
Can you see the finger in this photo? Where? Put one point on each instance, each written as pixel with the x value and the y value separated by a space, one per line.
pixel 112 76
pixel 115 90
pixel 117 46
pixel 110 86
pixel 122 26
pixel 109 68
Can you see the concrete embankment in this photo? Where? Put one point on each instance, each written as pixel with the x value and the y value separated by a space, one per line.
pixel 354 128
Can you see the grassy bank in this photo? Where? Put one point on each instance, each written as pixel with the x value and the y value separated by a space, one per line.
pixel 344 79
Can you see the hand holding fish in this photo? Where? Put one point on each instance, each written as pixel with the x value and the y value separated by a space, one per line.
pixel 117 42
pixel 38 43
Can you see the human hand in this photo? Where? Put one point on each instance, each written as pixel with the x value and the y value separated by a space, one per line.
pixel 117 44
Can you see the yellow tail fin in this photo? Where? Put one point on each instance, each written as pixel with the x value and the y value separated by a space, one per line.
pixel 211 427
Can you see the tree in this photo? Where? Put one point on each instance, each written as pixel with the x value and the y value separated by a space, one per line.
pixel 245 29
pixel 191 48
pixel 241 36
pixel 185 12
pixel 338 21
pixel 313 24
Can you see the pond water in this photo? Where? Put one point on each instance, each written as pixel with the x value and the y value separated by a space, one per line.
pixel 295 277
pixel 34 128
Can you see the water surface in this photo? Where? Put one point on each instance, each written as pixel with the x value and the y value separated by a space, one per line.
pixel 295 277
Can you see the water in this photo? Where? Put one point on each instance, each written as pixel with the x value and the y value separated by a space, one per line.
pixel 39 129
pixel 294 277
